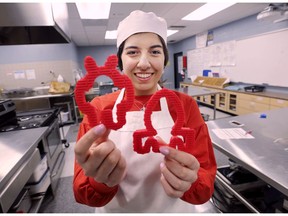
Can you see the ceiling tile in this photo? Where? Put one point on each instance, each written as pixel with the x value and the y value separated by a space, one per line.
pixel 89 32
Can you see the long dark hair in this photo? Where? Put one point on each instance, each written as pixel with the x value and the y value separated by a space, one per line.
pixel 121 48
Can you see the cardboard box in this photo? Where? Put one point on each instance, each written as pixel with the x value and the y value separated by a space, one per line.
pixel 59 87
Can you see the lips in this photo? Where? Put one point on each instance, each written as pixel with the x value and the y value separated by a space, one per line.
pixel 143 76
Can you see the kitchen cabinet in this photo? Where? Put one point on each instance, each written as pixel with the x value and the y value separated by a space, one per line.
pixel 278 103
pixel 232 103
pixel 221 101
pixel 248 103
pixel 239 103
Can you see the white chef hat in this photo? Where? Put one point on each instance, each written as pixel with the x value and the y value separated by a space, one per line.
pixel 139 21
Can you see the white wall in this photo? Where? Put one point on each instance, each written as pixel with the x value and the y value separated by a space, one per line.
pixel 22 59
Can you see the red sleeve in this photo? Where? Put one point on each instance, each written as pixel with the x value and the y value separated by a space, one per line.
pixel 86 190
pixel 201 190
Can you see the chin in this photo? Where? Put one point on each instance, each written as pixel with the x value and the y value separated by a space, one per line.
pixel 145 89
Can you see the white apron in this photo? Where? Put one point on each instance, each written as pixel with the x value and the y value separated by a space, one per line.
pixel 141 189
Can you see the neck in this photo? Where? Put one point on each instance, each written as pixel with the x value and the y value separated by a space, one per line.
pixel 140 102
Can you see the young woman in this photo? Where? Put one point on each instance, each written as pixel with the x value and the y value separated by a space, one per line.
pixel 108 173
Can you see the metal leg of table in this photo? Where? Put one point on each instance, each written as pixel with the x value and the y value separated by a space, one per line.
pixel 75 110
pixel 214 113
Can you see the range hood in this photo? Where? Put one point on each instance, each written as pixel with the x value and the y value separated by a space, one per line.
pixel 34 23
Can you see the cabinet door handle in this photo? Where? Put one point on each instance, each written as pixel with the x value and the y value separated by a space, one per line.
pixel 59 164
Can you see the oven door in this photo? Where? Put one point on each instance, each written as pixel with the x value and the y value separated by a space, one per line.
pixel 53 143
pixel 53 138
pixel 55 154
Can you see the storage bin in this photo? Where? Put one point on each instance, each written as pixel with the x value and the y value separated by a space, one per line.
pixel 64 116
pixel 41 186
pixel 39 171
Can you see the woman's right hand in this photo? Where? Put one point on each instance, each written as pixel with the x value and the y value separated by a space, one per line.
pixel 99 157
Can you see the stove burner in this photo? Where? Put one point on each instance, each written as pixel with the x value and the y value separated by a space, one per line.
pixel 24 118
pixel 30 125
pixel 41 115
pixel 8 128
pixel 27 120
pixel 35 124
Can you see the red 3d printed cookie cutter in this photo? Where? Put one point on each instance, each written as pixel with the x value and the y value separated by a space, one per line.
pixel 176 142
pixel 119 80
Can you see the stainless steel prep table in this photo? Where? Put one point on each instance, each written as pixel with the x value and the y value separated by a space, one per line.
pixel 194 91
pixel 40 94
pixel 16 148
pixel 266 156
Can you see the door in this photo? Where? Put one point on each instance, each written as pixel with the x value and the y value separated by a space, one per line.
pixel 178 69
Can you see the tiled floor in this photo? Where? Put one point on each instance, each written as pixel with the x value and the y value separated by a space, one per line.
pixel 69 161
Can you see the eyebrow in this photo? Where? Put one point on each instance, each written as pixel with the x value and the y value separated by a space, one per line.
pixel 152 47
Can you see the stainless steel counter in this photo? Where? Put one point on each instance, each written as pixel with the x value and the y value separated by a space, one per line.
pixel 267 155
pixel 37 94
pixel 195 91
pixel 17 148
pixel 42 94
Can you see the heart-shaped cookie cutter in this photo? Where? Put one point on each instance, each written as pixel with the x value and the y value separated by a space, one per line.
pixel 188 135
pixel 119 80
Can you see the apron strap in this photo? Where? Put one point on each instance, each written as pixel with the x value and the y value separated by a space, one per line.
pixel 163 102
pixel 119 99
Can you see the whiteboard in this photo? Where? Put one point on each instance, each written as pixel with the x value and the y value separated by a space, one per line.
pixel 259 59
pixel 214 57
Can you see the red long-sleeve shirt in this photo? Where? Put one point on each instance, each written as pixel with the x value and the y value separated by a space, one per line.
pixel 88 191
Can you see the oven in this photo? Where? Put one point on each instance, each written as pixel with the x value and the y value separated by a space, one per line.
pixel 52 143
pixel 56 154
pixel 53 139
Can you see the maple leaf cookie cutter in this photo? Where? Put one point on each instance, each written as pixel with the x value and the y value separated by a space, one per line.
pixel 183 138
pixel 119 80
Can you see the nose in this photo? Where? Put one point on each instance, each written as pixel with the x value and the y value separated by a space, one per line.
pixel 144 62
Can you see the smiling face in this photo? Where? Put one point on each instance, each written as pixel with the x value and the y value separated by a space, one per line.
pixel 143 62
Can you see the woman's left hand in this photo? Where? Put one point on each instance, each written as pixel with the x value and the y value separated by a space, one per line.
pixel 178 170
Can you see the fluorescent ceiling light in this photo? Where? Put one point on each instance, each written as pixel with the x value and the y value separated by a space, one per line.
pixel 113 34
pixel 99 10
pixel 207 10
pixel 270 13
pixel 171 32
pixel 284 17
